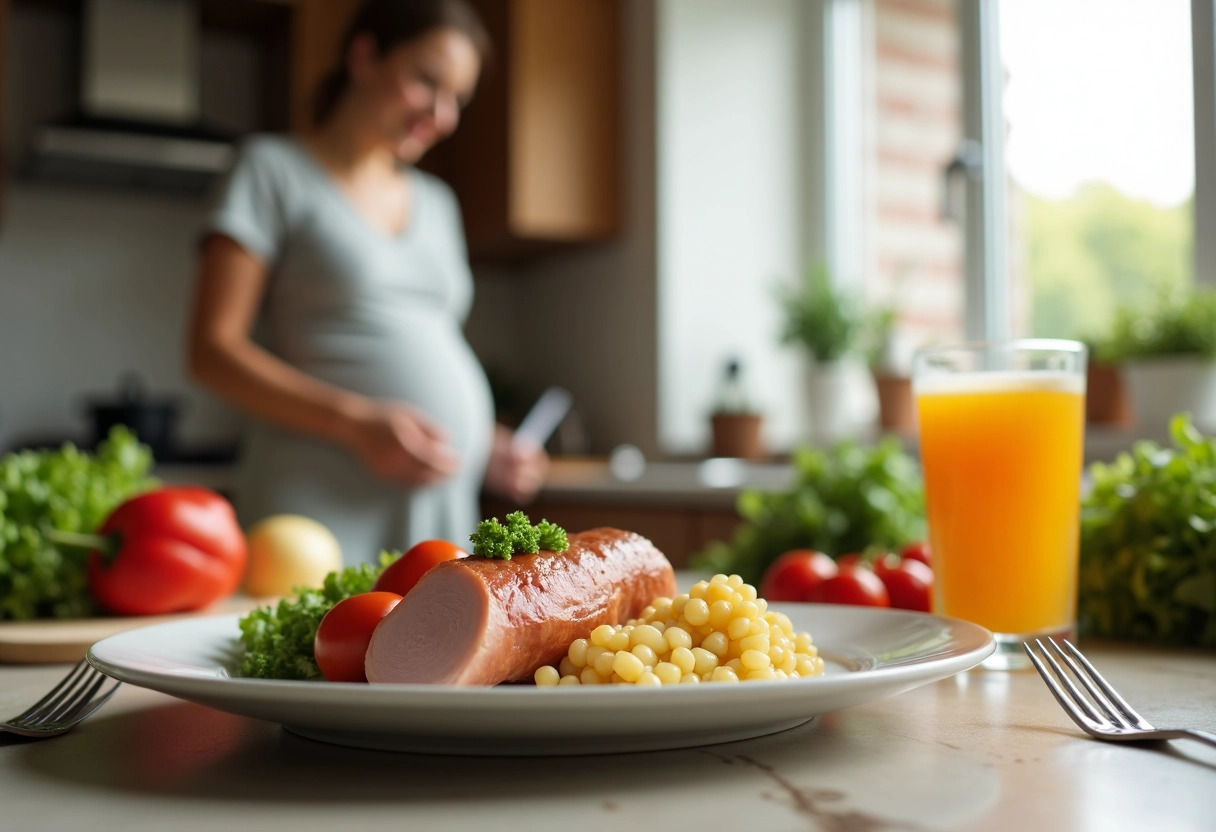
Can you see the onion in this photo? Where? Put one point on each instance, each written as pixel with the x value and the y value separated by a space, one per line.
pixel 287 551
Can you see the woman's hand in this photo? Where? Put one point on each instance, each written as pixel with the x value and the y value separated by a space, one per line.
pixel 516 470
pixel 400 444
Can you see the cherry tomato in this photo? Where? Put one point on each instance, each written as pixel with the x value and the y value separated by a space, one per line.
pixel 407 570
pixel 909 582
pixel 917 551
pixel 345 631
pixel 852 585
pixel 793 575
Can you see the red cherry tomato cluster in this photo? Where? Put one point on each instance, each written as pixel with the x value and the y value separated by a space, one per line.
pixel 346 630
pixel 903 581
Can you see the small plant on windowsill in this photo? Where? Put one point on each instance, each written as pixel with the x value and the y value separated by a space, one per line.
pixel 1166 351
pixel 821 318
pixel 829 323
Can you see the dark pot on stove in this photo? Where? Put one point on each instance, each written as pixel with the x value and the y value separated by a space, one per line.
pixel 153 420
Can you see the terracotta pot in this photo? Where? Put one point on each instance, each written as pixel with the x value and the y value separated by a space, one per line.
pixel 1106 399
pixel 896 409
pixel 737 435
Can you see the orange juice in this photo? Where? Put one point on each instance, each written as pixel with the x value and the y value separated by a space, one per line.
pixel 1002 455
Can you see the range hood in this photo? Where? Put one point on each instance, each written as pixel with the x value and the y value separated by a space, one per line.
pixel 138 120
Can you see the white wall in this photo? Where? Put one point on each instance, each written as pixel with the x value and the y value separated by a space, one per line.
pixel 731 192
pixel 94 283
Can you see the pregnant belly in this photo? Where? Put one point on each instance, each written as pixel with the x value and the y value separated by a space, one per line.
pixel 425 363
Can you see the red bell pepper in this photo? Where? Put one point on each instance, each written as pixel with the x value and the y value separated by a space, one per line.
pixel 171 550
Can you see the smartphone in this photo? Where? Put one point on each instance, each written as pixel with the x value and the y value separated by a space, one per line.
pixel 544 417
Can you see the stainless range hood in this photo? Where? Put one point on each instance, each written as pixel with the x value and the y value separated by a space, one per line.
pixel 138 122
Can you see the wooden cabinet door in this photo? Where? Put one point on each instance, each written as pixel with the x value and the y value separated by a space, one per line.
pixel 536 161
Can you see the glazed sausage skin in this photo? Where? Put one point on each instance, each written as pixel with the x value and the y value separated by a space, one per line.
pixel 482 621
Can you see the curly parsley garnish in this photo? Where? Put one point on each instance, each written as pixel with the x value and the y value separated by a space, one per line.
pixel 517 537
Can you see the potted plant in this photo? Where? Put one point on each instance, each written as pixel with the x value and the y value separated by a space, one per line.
pixel 829 323
pixel 1106 399
pixel 736 425
pixel 896 410
pixel 1167 350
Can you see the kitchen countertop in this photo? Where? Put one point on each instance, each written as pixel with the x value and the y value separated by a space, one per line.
pixel 979 751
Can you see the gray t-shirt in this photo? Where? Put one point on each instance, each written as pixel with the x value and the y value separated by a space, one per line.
pixel 372 312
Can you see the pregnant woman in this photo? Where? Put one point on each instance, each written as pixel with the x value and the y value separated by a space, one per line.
pixel 332 288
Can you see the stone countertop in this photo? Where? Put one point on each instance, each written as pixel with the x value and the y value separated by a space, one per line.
pixel 983 750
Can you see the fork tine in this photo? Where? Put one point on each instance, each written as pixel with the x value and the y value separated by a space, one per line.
pixel 1112 696
pixel 84 692
pixel 53 693
pixel 95 701
pixel 1072 702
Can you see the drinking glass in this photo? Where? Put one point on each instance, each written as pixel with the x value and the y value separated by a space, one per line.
pixel 1001 429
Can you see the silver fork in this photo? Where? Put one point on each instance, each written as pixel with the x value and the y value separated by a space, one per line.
pixel 1104 714
pixel 69 703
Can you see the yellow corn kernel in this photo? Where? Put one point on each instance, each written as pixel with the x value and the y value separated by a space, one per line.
pixel 764 674
pixel 647 635
pixel 783 621
pixel 734 664
pixel 809 666
pixel 683 658
pixel 758 627
pixel 703 660
pixel 748 592
pixel 762 605
pixel 802 642
pixel 755 660
pixel 777 653
pixel 716 643
pixel 781 675
pixel 696 612
pixel 723 674
pixel 646 655
pixel 747 611
pixel 759 643
pixel 601 634
pixel 677 607
pixel 628 666
pixel 593 653
pixel 668 673
pixel 735 581
pixel 659 625
pixel 569 680
pixel 719 591
pixel 578 652
pixel 698 590
pixel 546 677
pixel 791 662
pixel 719 614
pixel 616 679
pixel 648 680
pixel 604 662
pixel 567 668
pixel 618 642
pixel 738 628
pixel 690 679
pixel 662 607
pixel 590 677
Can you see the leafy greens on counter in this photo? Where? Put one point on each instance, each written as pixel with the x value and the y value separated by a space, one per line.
pixel 67 490
pixel 1148 542
pixel 846 499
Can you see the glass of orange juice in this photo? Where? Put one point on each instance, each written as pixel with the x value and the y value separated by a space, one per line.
pixel 1001 429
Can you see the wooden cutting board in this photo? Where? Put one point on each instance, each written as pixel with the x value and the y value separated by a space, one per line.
pixel 66 640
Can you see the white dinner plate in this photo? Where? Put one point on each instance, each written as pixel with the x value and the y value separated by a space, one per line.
pixel 870 654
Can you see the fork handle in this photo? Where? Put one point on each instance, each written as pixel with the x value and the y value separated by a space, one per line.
pixel 1203 736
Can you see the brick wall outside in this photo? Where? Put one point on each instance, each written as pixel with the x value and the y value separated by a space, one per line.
pixel 913 126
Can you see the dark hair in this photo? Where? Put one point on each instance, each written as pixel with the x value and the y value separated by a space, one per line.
pixel 392 23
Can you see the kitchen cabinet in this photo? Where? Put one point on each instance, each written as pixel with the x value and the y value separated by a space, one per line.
pixel 536 161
